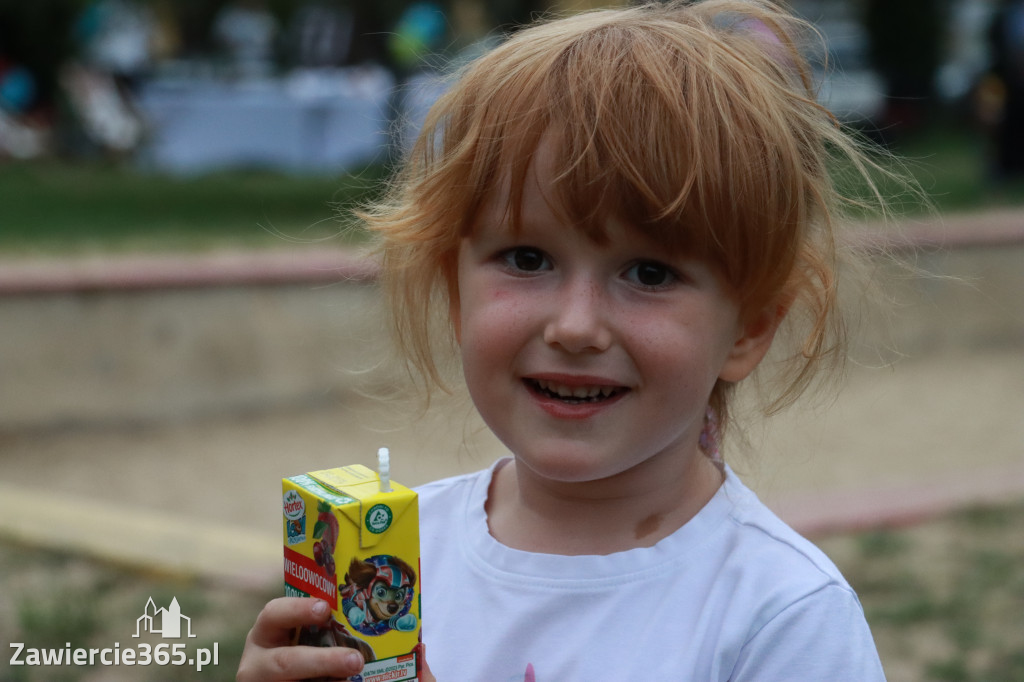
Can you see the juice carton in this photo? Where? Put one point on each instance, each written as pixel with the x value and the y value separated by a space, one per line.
pixel 351 538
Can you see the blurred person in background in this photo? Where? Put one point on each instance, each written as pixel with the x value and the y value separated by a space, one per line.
pixel 118 38
pixel 35 41
pixel 906 46
pixel 418 33
pixel 247 31
pixel 22 136
pixel 320 34
pixel 117 45
pixel 1003 90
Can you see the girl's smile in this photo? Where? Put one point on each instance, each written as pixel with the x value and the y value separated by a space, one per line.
pixel 573 397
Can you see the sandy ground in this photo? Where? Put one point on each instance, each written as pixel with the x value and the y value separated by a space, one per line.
pixel 941 427
pixel 896 444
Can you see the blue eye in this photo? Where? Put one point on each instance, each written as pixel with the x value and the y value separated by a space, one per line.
pixel 651 274
pixel 525 259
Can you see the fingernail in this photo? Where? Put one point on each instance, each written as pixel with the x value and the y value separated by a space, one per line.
pixel 321 608
pixel 354 660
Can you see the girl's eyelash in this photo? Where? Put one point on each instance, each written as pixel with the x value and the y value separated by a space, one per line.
pixel 648 274
pixel 652 274
pixel 524 259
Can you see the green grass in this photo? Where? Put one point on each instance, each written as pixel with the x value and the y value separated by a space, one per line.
pixel 945 599
pixel 952 166
pixel 54 207
pixel 949 165
pixel 54 600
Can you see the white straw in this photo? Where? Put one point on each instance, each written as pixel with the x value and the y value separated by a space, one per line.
pixel 384 466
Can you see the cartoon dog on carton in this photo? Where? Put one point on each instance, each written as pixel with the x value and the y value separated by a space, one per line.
pixel 378 594
pixel 376 598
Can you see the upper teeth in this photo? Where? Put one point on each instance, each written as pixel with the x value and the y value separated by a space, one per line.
pixel 575 391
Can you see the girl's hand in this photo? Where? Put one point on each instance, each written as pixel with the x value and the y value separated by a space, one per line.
pixel 425 674
pixel 269 657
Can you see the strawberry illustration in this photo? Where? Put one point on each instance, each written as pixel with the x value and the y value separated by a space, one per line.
pixel 325 532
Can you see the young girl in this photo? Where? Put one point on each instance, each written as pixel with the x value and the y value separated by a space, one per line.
pixel 613 213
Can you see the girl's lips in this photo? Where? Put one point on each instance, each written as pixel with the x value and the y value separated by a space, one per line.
pixel 573 397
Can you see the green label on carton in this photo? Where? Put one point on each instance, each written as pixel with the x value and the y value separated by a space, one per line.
pixel 378 519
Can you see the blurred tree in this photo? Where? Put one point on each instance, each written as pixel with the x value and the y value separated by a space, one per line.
pixel 906 48
pixel 1006 78
pixel 38 36
pixel 510 13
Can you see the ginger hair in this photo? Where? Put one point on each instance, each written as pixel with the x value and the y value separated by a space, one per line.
pixel 696 123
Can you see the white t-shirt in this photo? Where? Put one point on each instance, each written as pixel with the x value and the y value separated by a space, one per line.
pixel 734 594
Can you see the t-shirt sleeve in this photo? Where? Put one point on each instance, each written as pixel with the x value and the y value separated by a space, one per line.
pixel 823 637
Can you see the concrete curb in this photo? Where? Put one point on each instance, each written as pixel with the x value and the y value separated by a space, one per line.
pixel 892 506
pixel 174 271
pixel 989 228
pixel 139 538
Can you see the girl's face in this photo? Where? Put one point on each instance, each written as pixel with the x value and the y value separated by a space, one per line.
pixel 588 360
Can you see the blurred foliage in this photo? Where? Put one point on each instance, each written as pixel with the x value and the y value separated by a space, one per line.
pixel 38 35
pixel 907 40
pixel 950 161
pixel 906 43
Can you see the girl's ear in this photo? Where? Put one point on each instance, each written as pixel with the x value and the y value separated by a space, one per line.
pixel 752 344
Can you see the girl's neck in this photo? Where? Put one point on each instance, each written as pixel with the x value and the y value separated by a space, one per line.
pixel 600 517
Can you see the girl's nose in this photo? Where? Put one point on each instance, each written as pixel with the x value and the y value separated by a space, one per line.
pixel 578 321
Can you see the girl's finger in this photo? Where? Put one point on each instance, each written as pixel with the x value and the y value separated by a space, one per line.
pixel 300 663
pixel 277 622
pixel 425 674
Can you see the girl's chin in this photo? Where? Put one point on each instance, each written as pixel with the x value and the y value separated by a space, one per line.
pixel 567 467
